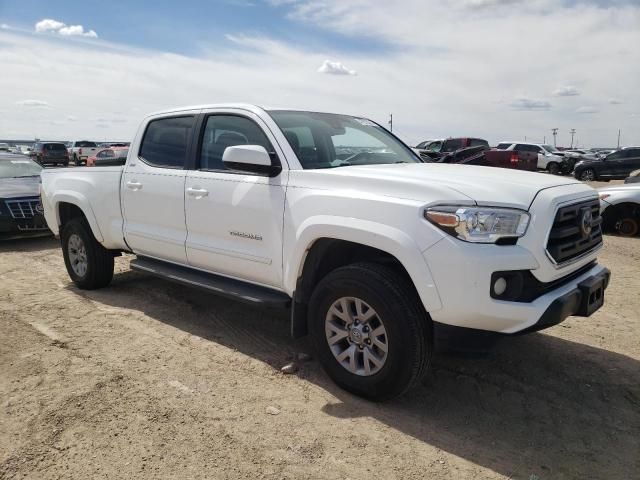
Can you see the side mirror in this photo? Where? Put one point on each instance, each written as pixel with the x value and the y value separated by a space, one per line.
pixel 251 159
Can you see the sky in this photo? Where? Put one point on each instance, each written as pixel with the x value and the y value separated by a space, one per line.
pixel 496 69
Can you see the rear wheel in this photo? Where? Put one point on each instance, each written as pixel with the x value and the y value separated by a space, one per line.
pixel 88 263
pixel 370 331
pixel 588 175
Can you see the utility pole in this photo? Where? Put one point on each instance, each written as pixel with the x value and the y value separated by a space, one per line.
pixel 555 134
pixel 618 138
pixel 391 122
pixel 572 132
pixel 544 140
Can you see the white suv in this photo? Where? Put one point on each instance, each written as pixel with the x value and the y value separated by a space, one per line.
pixel 372 250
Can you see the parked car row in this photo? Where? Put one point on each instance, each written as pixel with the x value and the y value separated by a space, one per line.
pixel 21 212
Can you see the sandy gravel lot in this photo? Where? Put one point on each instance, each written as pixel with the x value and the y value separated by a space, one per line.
pixel 147 379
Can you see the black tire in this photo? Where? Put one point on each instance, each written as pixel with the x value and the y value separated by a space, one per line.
pixel 99 260
pixel 627 226
pixel 588 175
pixel 409 328
pixel 553 168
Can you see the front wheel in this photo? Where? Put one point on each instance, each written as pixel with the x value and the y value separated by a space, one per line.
pixel 88 263
pixel 370 331
pixel 627 226
pixel 554 168
pixel 588 175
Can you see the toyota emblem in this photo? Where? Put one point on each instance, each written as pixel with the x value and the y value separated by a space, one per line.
pixel 585 224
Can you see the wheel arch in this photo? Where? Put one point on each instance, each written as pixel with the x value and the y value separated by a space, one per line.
pixel 71 205
pixel 317 253
pixel 615 211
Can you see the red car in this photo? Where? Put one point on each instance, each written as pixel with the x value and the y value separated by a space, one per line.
pixel 108 156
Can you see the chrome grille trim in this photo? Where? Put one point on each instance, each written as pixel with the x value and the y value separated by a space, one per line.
pixel 23 208
pixel 564 234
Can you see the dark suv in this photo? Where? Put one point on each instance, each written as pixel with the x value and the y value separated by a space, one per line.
pixel 615 166
pixel 52 153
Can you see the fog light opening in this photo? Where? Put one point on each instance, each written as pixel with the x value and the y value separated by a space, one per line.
pixel 500 286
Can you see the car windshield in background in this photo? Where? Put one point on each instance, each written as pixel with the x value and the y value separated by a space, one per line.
pixel 86 144
pixel 549 148
pixel 19 168
pixel 323 140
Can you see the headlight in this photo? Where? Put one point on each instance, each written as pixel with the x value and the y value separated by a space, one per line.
pixel 479 224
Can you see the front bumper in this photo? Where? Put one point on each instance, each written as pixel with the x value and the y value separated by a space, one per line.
pixel 582 301
pixel 18 228
pixel 462 273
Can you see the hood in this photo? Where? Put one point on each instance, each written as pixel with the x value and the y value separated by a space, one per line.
pixel 19 187
pixel 438 183
pixel 625 187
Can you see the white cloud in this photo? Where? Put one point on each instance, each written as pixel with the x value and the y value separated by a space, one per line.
pixel 335 68
pixel 587 109
pixel 437 81
pixel 33 103
pixel 4 26
pixel 566 91
pixel 615 101
pixel 48 25
pixel 524 103
pixel 55 26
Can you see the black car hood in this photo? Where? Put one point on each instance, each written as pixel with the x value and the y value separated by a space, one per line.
pixel 19 187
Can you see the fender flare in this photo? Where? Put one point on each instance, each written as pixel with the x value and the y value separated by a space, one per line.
pixel 80 201
pixel 372 234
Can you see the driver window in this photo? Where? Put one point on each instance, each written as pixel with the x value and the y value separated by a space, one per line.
pixel 222 131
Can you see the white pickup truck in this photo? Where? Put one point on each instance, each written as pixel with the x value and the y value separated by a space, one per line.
pixel 335 218
pixel 81 150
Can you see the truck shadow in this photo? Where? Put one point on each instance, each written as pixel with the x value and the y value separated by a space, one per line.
pixel 534 405
pixel 32 244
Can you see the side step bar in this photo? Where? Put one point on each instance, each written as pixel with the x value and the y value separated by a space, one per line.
pixel 226 287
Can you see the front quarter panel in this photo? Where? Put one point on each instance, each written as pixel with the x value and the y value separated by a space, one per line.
pixel 392 225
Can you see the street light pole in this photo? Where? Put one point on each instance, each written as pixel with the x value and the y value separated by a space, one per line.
pixel 555 133
pixel 391 122
pixel 572 132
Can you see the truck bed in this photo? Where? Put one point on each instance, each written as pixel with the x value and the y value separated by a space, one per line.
pixel 95 190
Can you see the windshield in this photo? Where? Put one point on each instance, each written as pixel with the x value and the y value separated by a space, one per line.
pixel 549 148
pixel 324 140
pixel 19 168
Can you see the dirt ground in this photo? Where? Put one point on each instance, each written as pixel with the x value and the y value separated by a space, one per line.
pixel 147 379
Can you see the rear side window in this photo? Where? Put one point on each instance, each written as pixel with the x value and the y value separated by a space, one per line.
pixel 165 142
pixel 222 131
pixel 54 147
pixel 476 142
pixel 503 146
pixel 633 152
pixel 527 148
pixel 452 145
pixel 86 144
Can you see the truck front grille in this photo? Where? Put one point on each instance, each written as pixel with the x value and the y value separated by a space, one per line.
pixel 24 208
pixel 576 230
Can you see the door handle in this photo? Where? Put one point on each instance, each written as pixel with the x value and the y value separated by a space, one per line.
pixel 197 192
pixel 134 185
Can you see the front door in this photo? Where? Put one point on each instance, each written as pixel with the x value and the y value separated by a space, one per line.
pixel 153 190
pixel 234 220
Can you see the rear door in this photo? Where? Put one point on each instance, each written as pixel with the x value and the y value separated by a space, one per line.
pixel 234 219
pixel 630 162
pixel 613 164
pixel 153 188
